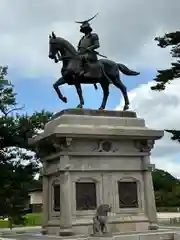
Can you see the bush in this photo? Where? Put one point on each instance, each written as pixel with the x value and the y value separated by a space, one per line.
pixel 31 219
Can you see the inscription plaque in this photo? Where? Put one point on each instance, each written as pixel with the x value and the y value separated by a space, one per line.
pixel 56 205
pixel 85 196
pixel 128 196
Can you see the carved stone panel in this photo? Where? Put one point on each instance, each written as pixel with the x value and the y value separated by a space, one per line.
pixel 128 194
pixel 144 145
pixel 86 196
pixel 56 192
pixel 105 146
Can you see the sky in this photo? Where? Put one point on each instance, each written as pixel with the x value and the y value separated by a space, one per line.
pixel 126 30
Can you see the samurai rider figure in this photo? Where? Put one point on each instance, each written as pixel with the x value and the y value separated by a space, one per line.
pixel 86 47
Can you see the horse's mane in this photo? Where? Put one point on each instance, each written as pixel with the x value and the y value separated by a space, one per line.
pixel 68 45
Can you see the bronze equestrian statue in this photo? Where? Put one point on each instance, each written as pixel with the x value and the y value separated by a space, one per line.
pixel 82 66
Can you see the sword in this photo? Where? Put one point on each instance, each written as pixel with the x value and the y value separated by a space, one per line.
pixel 99 54
pixel 58 58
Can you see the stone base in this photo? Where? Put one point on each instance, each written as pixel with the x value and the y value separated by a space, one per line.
pixel 145 235
pixel 66 232
pixel 153 227
pixel 84 226
pixel 44 231
pixel 106 152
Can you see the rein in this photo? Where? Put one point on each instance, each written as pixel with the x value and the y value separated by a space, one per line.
pixel 61 58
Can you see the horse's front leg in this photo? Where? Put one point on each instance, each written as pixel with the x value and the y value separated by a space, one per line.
pixel 56 85
pixel 79 91
pixel 105 228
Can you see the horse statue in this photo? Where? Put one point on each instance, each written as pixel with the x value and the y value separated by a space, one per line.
pixel 100 219
pixel 62 50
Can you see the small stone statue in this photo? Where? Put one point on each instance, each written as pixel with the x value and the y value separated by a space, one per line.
pixel 100 219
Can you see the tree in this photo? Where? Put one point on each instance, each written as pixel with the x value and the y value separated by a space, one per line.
pixel 163 180
pixel 175 135
pixel 167 189
pixel 165 76
pixel 3 72
pixel 17 166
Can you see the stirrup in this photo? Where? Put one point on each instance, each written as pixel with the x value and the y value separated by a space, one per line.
pixel 88 74
pixel 81 73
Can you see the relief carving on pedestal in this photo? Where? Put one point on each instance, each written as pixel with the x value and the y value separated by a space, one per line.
pixel 149 167
pixel 144 145
pixel 105 146
pixel 62 144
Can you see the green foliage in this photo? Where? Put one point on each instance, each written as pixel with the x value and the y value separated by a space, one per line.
pixel 165 76
pixel 17 129
pixel 3 72
pixel 32 219
pixel 175 135
pixel 167 189
pixel 163 180
pixel 36 184
pixel 17 165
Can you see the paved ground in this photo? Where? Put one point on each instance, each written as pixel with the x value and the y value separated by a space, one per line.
pixel 33 233
pixel 21 234
pixel 168 215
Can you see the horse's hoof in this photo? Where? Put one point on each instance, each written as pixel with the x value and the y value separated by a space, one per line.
pixel 101 108
pixel 126 107
pixel 79 106
pixel 64 99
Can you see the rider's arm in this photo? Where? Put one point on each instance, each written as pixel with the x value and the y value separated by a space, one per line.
pixel 95 42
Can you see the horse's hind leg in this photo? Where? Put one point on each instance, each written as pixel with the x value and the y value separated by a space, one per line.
pixel 118 83
pixel 79 91
pixel 105 88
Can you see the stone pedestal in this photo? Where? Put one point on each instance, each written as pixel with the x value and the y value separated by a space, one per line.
pixel 93 157
pixel 65 205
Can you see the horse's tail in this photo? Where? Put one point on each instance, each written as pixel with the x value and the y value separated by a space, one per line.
pixel 95 86
pixel 125 70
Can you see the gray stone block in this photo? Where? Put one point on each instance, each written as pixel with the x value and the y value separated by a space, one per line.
pixel 107 151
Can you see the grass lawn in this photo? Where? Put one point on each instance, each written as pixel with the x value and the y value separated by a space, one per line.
pixel 33 219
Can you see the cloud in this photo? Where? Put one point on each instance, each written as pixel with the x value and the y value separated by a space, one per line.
pixel 161 110
pixel 126 30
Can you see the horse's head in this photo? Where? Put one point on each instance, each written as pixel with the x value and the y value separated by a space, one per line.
pixel 58 45
pixel 55 46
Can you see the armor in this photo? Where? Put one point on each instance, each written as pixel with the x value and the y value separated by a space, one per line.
pixel 86 47
pixel 87 43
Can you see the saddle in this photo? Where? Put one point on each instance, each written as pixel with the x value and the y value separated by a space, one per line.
pixel 91 69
